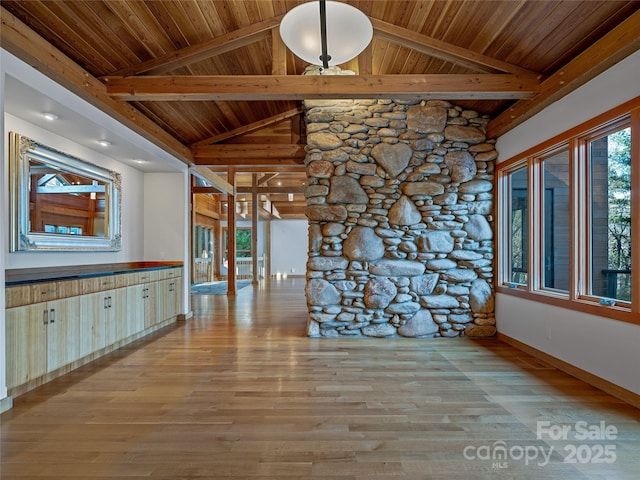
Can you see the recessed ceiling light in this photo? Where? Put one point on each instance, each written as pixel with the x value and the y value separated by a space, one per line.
pixel 49 116
pixel 104 143
pixel 139 160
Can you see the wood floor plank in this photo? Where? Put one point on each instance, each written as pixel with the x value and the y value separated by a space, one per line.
pixel 239 392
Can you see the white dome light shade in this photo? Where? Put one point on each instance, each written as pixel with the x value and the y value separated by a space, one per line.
pixel 349 31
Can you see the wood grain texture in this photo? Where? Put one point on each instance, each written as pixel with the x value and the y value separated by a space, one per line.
pixel 239 392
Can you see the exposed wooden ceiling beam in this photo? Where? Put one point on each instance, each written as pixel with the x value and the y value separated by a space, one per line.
pixel 278 53
pixel 619 43
pixel 217 182
pixel 243 151
pixel 269 87
pixel 267 190
pixel 265 178
pixel 25 44
pixel 201 51
pixel 446 51
pixel 288 168
pixel 259 165
pixel 249 127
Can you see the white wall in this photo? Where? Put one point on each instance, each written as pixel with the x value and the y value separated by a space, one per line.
pixel 166 222
pixel 289 246
pixel 132 204
pixel 604 347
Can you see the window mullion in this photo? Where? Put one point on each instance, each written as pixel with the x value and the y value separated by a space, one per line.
pixel 535 223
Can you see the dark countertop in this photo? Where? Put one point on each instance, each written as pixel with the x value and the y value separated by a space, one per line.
pixel 21 276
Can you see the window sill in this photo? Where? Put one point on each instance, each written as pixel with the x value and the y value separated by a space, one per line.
pixel 615 312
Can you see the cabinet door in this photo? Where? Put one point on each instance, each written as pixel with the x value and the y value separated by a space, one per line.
pixel 63 332
pixel 133 314
pixel 173 297
pixel 26 343
pixel 151 304
pixel 118 321
pixel 93 312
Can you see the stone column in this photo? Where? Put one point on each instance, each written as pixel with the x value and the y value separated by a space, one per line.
pixel 399 201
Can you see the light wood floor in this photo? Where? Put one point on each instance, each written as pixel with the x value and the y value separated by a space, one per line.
pixel 239 392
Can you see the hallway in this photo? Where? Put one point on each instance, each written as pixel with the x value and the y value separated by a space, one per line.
pixel 239 392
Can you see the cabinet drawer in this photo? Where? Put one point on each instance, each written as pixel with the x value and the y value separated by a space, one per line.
pixel 170 273
pixel 27 294
pixel 126 279
pixel 97 284
pixel 149 276
pixel 68 288
pixel 19 295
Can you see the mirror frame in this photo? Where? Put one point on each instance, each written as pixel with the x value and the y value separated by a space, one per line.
pixel 23 149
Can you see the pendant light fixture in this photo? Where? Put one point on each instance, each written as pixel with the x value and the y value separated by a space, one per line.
pixel 326 33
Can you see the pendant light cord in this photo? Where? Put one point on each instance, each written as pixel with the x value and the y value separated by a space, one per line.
pixel 325 57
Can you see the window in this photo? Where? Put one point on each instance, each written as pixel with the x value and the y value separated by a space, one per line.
pixel 243 243
pixel 567 214
pixel 518 228
pixel 202 242
pixel 610 219
pixel 556 221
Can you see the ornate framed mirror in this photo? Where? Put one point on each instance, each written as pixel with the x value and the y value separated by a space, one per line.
pixel 59 202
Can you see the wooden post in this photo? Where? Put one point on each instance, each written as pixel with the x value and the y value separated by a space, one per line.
pixel 232 289
pixel 254 228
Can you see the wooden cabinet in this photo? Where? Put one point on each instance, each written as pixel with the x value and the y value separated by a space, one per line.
pixel 54 324
pixel 63 332
pixel 26 337
pixel 41 338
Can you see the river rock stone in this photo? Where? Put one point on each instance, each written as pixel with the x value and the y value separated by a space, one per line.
pixel 315 238
pixel 438 301
pixel 476 186
pixel 324 264
pixel 481 297
pixel 435 241
pixel 478 228
pixel 404 212
pixel 320 169
pixel 323 213
pixel 466 134
pixel 422 188
pixel 321 292
pixel 424 119
pixel 323 141
pixel 424 284
pixel 379 330
pixel 420 325
pixel 345 189
pixel 480 331
pixel 462 166
pixel 379 292
pixel 396 268
pixel 459 275
pixel 362 244
pixel 394 158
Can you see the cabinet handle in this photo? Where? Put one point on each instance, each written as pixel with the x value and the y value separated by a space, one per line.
pixel 104 303
pixel 52 315
pixel 110 305
pixel 45 317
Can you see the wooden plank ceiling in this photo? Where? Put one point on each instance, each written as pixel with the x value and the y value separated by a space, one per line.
pixel 198 77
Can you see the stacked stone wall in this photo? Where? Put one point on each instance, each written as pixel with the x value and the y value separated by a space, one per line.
pixel 400 203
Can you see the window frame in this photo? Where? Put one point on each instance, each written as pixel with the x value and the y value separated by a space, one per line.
pixel 576 141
